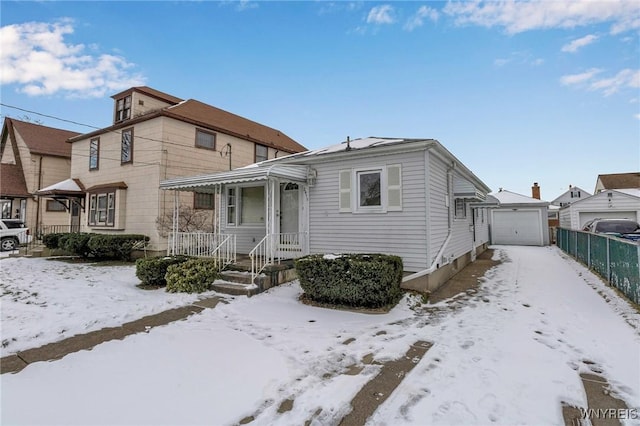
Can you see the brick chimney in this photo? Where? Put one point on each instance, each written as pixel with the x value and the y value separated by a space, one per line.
pixel 535 191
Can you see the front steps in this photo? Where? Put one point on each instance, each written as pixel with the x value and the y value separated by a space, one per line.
pixel 236 278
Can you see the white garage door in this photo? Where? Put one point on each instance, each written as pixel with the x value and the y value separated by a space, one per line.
pixel 516 227
pixel 584 217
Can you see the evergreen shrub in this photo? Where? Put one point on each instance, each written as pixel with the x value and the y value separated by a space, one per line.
pixel 152 270
pixel 110 246
pixel 355 280
pixel 192 276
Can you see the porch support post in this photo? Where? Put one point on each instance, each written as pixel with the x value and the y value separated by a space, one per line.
pixel 174 225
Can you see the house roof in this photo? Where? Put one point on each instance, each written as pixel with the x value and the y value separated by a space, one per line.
pixel 150 92
pixel 12 183
pixel 43 140
pixel 513 198
pixel 221 120
pixel 571 188
pixel 205 116
pixel 627 192
pixel 620 180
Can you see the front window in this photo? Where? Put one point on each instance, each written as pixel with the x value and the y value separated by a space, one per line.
pixel 102 209
pixel 262 153
pixel 205 139
pixel 94 154
pixel 231 206
pixel 369 188
pixel 126 152
pixel 252 205
pixel 55 206
pixel 123 108
pixel 460 208
pixel 203 201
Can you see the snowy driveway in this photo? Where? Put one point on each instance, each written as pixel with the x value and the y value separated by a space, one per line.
pixel 507 354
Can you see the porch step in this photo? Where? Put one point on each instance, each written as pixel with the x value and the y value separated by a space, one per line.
pixel 237 277
pixel 235 289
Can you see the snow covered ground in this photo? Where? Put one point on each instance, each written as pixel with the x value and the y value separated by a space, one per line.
pixel 507 354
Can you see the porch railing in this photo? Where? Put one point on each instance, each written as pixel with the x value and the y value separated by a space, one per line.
pixel 203 244
pixel 275 247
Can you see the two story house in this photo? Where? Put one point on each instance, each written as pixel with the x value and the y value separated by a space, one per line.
pixel 116 171
pixel 33 156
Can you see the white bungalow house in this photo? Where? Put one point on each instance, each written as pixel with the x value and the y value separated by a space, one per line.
pixel 408 197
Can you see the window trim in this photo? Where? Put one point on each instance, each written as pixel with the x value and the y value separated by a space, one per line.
pixel 371 208
pixel 199 206
pixel 93 215
pixel 238 206
pixel 96 154
pixel 52 202
pixel 124 113
pixel 206 132
pixel 456 216
pixel 255 152
pixel 130 159
pixel 234 205
pixel 391 195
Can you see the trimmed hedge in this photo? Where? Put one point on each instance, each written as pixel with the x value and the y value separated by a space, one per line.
pixel 99 246
pixel 192 276
pixel 109 246
pixel 356 280
pixel 152 270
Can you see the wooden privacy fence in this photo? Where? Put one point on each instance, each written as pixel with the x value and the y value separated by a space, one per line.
pixel 614 259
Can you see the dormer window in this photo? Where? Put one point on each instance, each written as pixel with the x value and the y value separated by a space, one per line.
pixel 123 108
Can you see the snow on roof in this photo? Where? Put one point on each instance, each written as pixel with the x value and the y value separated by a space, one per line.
pixel 70 185
pixel 508 197
pixel 635 192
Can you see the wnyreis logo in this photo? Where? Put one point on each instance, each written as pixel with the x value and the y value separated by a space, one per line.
pixel 610 413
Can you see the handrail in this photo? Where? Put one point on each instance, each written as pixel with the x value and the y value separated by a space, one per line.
pixel 225 253
pixel 261 256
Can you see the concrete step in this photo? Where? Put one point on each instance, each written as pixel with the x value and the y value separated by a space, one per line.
pixel 235 289
pixel 236 277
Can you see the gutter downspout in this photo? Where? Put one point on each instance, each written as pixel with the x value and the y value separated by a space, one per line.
pixel 37 200
pixel 435 264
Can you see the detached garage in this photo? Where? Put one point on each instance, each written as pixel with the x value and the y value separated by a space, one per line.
pixel 519 220
pixel 608 204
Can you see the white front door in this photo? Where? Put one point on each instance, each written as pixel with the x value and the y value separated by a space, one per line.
pixel 289 241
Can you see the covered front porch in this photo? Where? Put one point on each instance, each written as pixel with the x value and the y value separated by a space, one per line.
pixel 260 214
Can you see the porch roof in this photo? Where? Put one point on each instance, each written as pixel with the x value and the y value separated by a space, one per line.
pixel 252 173
pixel 69 187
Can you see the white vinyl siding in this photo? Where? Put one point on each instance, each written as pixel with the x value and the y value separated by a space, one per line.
pixel 395 232
pixel 575 215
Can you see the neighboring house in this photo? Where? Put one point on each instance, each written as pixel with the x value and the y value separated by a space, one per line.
pixel 408 197
pixel 617 181
pixel 116 171
pixel 518 219
pixel 571 195
pixel 607 204
pixel 33 156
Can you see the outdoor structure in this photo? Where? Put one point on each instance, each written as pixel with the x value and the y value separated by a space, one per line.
pixel 519 220
pixel 407 197
pixel 33 156
pixel 617 181
pixel 608 204
pixel 116 171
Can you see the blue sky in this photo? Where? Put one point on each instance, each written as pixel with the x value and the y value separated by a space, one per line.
pixel 520 92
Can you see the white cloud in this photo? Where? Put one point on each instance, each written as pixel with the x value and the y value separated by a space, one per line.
pixel 381 15
pixel 579 43
pixel 626 78
pixel 35 56
pixel 525 15
pixel 246 5
pixel 425 12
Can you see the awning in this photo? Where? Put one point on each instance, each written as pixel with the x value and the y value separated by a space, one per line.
pixel 69 188
pixel 253 173
pixel 462 188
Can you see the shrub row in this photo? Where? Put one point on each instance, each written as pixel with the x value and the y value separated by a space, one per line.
pixel 356 280
pixel 99 246
pixel 152 270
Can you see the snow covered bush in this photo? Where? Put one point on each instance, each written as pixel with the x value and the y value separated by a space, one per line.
pixel 192 276
pixel 152 270
pixel 357 280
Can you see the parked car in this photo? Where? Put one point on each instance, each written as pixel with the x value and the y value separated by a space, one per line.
pixel 13 232
pixel 623 228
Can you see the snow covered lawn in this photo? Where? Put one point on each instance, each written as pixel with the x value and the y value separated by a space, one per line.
pixel 46 300
pixel 507 354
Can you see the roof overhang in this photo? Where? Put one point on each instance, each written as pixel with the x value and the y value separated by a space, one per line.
pixel 69 188
pixel 463 188
pixel 253 173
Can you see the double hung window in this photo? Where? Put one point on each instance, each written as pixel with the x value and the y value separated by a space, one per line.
pixel 94 154
pixel 102 209
pixel 126 150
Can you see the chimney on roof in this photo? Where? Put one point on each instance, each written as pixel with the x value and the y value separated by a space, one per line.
pixel 535 191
